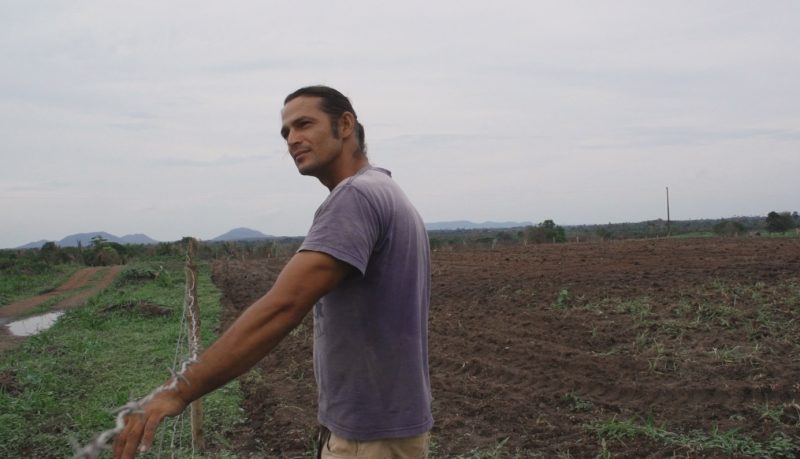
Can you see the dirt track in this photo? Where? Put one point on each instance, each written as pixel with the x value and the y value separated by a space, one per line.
pixel 81 286
pixel 533 344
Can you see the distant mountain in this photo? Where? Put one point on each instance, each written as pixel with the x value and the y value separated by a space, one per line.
pixel 463 224
pixel 33 245
pixel 138 238
pixel 86 239
pixel 242 234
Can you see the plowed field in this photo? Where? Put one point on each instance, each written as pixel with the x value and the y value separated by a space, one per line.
pixel 647 348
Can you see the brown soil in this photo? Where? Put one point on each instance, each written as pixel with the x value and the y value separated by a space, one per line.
pixel 77 290
pixel 531 345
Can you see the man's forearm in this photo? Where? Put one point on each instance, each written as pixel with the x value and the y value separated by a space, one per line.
pixel 257 331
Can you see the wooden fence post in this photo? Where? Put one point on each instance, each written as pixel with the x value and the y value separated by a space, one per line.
pixel 192 309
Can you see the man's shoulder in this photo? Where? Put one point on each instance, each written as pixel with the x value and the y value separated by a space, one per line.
pixel 371 176
pixel 368 182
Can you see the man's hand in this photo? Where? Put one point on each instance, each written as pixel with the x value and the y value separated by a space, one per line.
pixel 140 427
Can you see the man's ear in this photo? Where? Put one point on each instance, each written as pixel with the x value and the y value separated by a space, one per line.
pixel 347 124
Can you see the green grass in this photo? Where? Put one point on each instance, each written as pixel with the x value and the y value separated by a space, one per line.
pixel 729 442
pixel 695 234
pixel 69 379
pixel 498 451
pixel 16 284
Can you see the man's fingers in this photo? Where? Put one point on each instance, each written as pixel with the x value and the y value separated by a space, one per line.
pixel 120 438
pixel 132 442
pixel 130 437
pixel 150 429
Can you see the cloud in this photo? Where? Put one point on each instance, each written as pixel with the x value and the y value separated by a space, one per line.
pixel 32 187
pixel 678 136
pixel 493 111
pixel 225 160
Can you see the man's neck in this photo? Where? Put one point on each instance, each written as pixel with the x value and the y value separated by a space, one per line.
pixel 346 171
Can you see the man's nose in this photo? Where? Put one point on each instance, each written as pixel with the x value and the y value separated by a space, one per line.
pixel 292 138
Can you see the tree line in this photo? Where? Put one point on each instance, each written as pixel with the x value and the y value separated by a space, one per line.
pixel 101 252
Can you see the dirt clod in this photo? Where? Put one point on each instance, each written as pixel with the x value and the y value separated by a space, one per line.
pixel 9 383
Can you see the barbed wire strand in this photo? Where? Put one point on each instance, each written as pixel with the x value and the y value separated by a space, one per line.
pixel 163 431
pixel 190 307
pixel 180 437
pixel 102 440
pixel 180 347
pixel 172 439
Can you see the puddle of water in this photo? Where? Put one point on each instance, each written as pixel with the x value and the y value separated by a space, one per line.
pixel 33 325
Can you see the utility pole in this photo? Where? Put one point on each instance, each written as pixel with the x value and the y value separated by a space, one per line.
pixel 668 232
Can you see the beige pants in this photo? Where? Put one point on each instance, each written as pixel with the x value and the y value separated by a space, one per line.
pixel 392 448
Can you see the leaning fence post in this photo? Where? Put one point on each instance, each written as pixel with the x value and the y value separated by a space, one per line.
pixel 193 322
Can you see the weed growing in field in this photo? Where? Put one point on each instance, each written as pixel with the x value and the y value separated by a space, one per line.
pixel 492 453
pixel 730 442
pixel 562 300
pixel 642 340
pixel 576 403
pixel 772 413
pixel 712 312
pixel 604 452
pixel 784 414
pixel 639 308
pixel 498 451
pixel 661 362
pixel 730 355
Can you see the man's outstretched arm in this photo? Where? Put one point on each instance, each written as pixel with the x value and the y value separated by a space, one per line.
pixel 304 280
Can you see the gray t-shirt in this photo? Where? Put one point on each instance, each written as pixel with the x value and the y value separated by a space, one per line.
pixel 371 332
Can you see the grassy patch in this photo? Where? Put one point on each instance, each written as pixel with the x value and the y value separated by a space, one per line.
pixel 498 451
pixel 563 300
pixel 695 234
pixel 576 403
pixel 93 360
pixel 16 284
pixel 730 442
pixel 639 308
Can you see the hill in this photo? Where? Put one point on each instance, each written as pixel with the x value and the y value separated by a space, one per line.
pixel 467 225
pixel 242 234
pixel 85 239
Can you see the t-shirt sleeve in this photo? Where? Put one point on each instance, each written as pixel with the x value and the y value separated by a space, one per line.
pixel 345 227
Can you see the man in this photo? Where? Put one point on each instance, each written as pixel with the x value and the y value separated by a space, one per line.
pixel 365 263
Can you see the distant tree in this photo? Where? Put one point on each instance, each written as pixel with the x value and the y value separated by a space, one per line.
pixel 603 233
pixel 547 231
pixel 504 236
pixel 98 241
pixel 780 222
pixel 166 248
pixel 50 253
pixel 101 252
pixel 729 228
pixel 107 256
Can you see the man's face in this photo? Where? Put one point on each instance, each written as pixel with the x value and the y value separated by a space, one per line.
pixel 308 134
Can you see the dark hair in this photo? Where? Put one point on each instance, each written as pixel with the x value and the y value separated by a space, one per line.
pixel 334 104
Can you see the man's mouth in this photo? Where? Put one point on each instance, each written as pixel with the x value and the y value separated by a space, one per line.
pixel 299 153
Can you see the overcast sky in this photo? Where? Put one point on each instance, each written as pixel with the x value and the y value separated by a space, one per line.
pixel 163 118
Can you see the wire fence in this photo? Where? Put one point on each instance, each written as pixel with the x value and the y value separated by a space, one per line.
pixel 190 320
